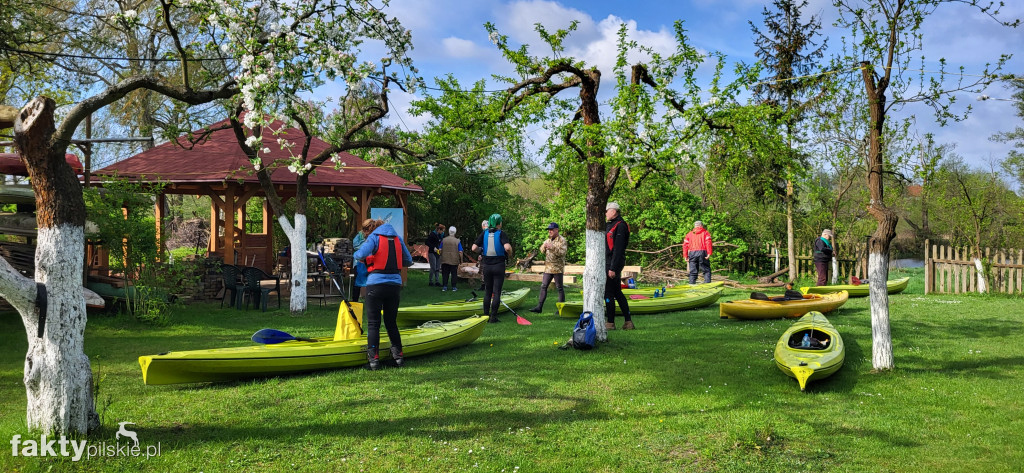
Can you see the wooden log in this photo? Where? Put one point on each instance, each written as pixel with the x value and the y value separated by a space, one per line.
pixel 771 277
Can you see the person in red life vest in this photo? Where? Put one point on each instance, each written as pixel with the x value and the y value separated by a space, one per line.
pixel 616 239
pixel 385 255
pixel 697 248
pixel 494 248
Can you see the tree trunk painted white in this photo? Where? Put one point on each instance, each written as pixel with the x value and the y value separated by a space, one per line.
pixel 881 338
pixel 594 277
pixel 297 239
pixel 835 270
pixel 58 377
pixel 982 285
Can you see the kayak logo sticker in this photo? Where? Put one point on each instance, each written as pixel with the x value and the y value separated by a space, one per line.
pixel 49 446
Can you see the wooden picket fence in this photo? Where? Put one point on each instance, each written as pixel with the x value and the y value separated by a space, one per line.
pixel 772 258
pixel 949 270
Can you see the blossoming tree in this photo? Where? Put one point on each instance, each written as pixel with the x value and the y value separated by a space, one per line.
pixel 221 49
pixel 648 127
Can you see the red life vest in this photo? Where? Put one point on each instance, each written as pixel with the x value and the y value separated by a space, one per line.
pixel 387 259
pixel 610 236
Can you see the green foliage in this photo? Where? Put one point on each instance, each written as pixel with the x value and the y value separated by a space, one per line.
pixel 463 197
pixel 123 212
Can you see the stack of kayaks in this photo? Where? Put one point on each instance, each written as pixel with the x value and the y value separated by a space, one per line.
pixel 757 309
pixel 690 299
pixel 649 291
pixel 812 362
pixel 225 364
pixel 895 286
pixel 458 309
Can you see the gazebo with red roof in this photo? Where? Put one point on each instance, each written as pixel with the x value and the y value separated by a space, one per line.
pixel 217 167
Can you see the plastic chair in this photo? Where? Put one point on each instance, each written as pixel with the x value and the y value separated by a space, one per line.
pixel 232 274
pixel 253 277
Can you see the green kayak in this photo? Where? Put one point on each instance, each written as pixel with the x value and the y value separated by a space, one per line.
pixel 670 291
pixel 895 286
pixel 299 356
pixel 683 300
pixel 459 309
pixel 823 356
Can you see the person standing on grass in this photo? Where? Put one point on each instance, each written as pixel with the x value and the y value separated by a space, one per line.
pixel 494 247
pixel 483 228
pixel 697 247
pixel 451 256
pixel 554 249
pixel 360 267
pixel 824 251
pixel 616 240
pixel 433 255
pixel 385 255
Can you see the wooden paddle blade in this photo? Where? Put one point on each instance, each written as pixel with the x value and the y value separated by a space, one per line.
pixel 270 336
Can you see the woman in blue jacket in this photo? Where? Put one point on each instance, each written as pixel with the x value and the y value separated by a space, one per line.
pixel 385 255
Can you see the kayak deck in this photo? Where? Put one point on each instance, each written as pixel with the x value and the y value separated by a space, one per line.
pixel 226 364
pixel 755 309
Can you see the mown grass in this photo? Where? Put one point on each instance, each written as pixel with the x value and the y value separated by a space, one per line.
pixel 685 392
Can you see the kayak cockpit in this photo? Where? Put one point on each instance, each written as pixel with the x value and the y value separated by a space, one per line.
pixel 810 339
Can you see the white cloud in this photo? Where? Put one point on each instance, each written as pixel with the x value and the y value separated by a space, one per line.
pixel 461 48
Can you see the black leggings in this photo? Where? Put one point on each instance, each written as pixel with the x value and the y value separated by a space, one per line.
pixel 494 278
pixel 613 293
pixel 382 297
pixel 449 270
pixel 545 282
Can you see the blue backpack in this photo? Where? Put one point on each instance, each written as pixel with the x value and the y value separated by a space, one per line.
pixel 584 336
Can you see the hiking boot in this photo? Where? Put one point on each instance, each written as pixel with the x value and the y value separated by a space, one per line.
pixel 373 358
pixel 628 325
pixel 535 310
pixel 493 319
pixel 397 355
pixel 609 325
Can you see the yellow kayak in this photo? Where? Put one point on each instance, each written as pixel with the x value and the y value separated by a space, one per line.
pixel 226 364
pixel 755 309
pixel 811 362
pixel 684 300
pixel 895 286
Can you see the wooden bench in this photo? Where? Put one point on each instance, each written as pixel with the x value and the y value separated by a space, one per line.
pixel 627 271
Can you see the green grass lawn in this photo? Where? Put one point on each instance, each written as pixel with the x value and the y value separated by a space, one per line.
pixel 686 391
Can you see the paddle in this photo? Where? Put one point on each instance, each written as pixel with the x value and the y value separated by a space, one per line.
pixel 269 336
pixel 519 319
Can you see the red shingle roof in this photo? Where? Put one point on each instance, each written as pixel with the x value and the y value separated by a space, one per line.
pixel 219 159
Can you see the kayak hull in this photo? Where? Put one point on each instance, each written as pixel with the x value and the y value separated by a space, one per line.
pixel 895 286
pixel 754 309
pixel 254 361
pixel 804 364
pixel 455 310
pixel 691 299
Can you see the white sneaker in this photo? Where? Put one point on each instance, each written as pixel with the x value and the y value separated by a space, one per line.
pixel 444 288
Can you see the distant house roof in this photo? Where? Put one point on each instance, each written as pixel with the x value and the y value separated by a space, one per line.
pixel 11 164
pixel 219 158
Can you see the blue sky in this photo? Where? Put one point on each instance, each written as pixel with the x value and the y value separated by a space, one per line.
pixel 449 37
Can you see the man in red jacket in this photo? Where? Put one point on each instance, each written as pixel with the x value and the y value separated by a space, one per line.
pixel 697 248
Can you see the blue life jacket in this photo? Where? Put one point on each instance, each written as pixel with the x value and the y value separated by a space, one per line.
pixel 493 248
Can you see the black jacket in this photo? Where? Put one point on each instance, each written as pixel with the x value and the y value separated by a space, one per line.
pixel 433 240
pixel 615 256
pixel 822 251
